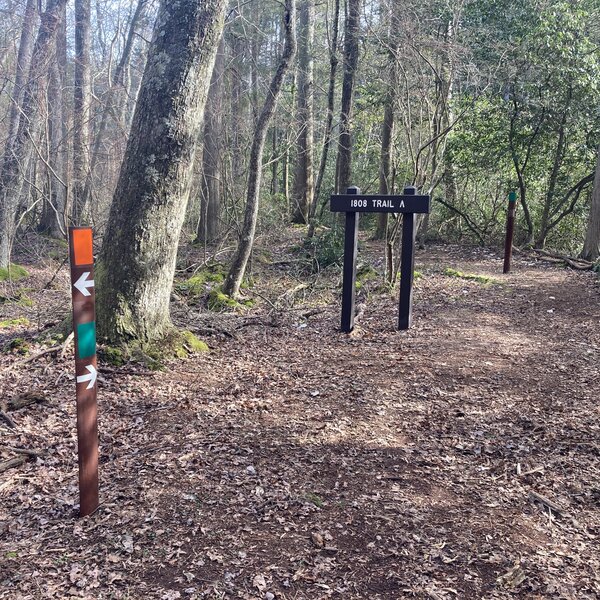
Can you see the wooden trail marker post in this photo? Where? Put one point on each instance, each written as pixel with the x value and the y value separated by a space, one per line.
pixel 84 327
pixel 352 203
pixel 510 230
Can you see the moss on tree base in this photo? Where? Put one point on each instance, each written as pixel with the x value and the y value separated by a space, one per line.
pixel 175 344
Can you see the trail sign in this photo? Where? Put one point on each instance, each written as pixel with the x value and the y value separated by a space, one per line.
pixel 86 368
pixel 407 204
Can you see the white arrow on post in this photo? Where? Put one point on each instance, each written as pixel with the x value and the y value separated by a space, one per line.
pixel 90 376
pixel 83 283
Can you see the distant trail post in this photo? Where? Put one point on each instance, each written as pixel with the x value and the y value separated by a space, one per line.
pixel 84 328
pixel 510 230
pixel 352 203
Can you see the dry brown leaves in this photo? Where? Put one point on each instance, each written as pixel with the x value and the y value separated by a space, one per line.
pixel 296 462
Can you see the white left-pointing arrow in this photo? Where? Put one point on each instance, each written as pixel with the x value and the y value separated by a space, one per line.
pixel 90 377
pixel 83 283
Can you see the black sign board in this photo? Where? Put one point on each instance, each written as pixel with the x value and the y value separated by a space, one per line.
pixel 380 204
pixel 408 205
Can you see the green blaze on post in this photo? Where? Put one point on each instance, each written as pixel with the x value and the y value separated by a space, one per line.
pixel 86 339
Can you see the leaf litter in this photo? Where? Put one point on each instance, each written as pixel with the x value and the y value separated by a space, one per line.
pixel 293 461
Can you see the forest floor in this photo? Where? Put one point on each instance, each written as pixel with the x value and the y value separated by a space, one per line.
pixel 457 460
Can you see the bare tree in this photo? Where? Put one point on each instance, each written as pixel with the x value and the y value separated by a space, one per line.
pixel 240 260
pixel 210 184
pixel 304 178
pixel 351 40
pixel 81 107
pixel 16 152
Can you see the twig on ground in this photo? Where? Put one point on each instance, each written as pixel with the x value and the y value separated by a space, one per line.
pixel 60 348
pixel 536 497
pixel 4 417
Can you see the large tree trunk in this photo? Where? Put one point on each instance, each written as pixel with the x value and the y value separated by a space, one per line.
pixel 210 185
pixel 352 34
pixel 16 153
pixel 82 100
pixel 137 261
pixel 240 260
pixel 303 178
pixel 591 246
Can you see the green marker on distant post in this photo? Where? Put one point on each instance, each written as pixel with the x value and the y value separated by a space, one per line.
pixel 510 230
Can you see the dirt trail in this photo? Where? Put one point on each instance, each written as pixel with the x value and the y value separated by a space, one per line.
pixel 296 462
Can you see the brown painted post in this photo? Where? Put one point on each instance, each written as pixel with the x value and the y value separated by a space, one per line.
pixel 510 230
pixel 349 275
pixel 407 265
pixel 84 327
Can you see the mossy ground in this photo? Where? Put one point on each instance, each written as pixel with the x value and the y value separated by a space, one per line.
pixel 13 273
pixel 219 301
pixel 17 346
pixel 18 322
pixel 202 281
pixel 469 276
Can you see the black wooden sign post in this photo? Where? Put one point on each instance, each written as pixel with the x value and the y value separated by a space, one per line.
pixel 408 204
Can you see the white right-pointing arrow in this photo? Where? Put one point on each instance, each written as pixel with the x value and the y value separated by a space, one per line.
pixel 90 376
pixel 82 284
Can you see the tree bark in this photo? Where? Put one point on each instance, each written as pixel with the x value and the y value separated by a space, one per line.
pixel 210 185
pixel 333 64
pixel 137 261
pixel 387 127
pixel 82 100
pixel 16 154
pixel 53 221
pixel 240 260
pixel 112 101
pixel 559 155
pixel 591 246
pixel 304 179
pixel 344 159
pixel 22 67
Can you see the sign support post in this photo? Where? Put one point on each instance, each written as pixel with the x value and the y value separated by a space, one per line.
pixel 407 265
pixel 510 231
pixel 352 203
pixel 350 256
pixel 84 328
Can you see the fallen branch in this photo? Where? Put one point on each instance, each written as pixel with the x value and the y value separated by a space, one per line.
pixel 31 453
pixel 61 348
pixel 7 420
pixel 576 263
pixel 11 463
pixel 536 497
pixel 26 399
